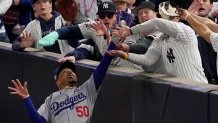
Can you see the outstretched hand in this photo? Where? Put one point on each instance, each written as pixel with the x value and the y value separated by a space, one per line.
pixel 67 58
pixel 26 40
pixel 117 53
pixel 19 89
pixel 195 6
pixel 100 28
pixel 122 46
pixel 122 32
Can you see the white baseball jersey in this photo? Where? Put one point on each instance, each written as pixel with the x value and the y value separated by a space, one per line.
pixel 71 105
pixel 214 42
pixel 177 48
pixel 157 67
pixel 88 32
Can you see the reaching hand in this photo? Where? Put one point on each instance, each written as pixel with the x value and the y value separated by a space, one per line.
pixel 122 32
pixel 18 89
pixel 183 14
pixel 118 53
pixel 123 47
pixel 195 6
pixel 26 40
pixel 100 28
pixel 49 39
pixel 67 58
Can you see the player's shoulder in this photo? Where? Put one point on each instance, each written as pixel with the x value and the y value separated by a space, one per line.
pixel 183 28
pixel 184 25
pixel 54 94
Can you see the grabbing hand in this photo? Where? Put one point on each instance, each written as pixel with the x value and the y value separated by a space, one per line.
pixel 118 53
pixel 26 40
pixel 195 6
pixel 123 47
pixel 49 39
pixel 67 58
pixel 183 14
pixel 18 89
pixel 122 32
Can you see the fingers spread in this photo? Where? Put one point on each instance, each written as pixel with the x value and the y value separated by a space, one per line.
pixel 18 82
pixel 12 89
pixel 14 83
pixel 13 92
pixel 25 85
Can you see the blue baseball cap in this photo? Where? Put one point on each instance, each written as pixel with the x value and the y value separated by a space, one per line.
pixel 66 64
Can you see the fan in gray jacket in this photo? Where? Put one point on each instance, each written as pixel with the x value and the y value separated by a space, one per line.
pixel 46 22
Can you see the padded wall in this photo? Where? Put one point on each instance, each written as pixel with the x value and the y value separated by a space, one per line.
pixel 123 98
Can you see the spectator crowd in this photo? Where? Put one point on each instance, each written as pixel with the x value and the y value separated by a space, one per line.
pixel 158 36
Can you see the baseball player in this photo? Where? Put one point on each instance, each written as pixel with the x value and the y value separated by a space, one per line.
pixel 70 104
pixel 177 47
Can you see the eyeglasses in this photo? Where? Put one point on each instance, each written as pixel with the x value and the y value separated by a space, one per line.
pixel 102 15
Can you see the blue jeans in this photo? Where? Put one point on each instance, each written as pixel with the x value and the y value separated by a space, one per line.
pixel 4 37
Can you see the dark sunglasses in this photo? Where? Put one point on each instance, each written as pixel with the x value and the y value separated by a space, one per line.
pixel 109 15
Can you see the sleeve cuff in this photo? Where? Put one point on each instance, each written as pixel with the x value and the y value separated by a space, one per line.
pixel 135 30
pixel 25 97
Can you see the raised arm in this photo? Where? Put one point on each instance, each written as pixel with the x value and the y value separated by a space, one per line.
pixel 70 32
pixel 210 24
pixel 173 29
pixel 165 26
pixel 22 91
pixel 193 10
pixel 147 59
pixel 65 33
pixel 32 112
pixel 199 28
pixel 22 42
pixel 100 71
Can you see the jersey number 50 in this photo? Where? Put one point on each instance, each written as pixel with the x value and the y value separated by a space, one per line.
pixel 82 111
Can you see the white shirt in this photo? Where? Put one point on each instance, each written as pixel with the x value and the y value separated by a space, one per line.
pixel 177 48
pixel 214 42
